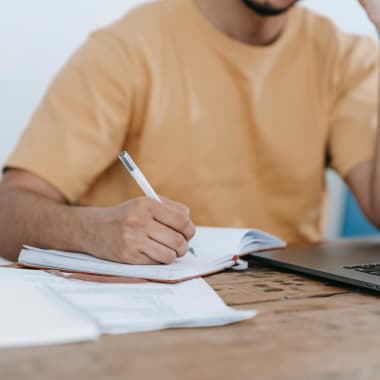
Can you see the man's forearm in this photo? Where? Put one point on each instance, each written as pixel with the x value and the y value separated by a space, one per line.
pixel 365 182
pixel 370 199
pixel 28 218
pixel 374 208
pixel 375 175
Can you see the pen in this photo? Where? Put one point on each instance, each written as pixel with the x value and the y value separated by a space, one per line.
pixel 139 177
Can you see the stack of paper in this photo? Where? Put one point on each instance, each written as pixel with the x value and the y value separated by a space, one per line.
pixel 44 309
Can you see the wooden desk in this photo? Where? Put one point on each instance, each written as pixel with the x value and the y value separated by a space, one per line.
pixel 306 330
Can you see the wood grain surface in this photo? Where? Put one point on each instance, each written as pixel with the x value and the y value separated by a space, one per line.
pixel 306 329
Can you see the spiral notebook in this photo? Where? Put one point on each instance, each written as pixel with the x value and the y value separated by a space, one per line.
pixel 216 249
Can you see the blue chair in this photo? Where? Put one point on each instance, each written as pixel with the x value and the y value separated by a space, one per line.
pixel 354 222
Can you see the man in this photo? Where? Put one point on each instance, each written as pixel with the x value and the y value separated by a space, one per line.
pixel 232 107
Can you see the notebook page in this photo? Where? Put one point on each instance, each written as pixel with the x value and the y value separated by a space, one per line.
pixel 213 244
pixel 217 245
pixel 257 240
pixel 186 267
pixel 145 307
pixel 210 244
pixel 214 247
pixel 120 308
pixel 29 276
pixel 32 316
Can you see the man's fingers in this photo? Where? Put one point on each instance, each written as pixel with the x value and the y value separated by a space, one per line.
pixel 168 237
pixel 179 206
pixel 137 258
pixel 158 252
pixel 144 259
pixel 174 218
pixel 150 232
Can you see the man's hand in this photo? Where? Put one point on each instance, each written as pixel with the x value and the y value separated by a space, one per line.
pixel 141 231
pixel 372 8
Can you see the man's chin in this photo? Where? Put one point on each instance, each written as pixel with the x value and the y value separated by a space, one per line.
pixel 266 9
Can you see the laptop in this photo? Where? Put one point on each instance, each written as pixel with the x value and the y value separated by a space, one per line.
pixel 354 262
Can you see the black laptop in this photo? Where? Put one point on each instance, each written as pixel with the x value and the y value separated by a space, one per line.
pixel 354 262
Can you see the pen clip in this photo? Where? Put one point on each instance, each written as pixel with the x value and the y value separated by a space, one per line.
pixel 127 161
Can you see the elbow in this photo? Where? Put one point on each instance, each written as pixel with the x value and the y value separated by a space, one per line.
pixel 372 212
pixel 8 230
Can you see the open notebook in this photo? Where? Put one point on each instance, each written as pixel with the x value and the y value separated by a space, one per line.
pixel 216 249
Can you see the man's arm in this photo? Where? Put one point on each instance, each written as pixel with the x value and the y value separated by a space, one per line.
pixel 141 231
pixel 364 179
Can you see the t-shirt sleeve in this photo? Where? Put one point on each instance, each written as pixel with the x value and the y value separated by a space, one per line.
pixel 354 107
pixel 80 126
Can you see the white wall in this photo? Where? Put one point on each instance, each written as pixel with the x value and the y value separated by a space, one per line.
pixel 348 14
pixel 36 37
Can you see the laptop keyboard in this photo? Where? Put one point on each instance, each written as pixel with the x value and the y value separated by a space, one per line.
pixel 366 268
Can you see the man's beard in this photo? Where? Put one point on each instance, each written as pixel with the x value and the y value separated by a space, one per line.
pixel 266 9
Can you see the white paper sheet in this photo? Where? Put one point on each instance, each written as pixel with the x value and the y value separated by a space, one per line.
pixel 124 308
pixel 142 307
pixel 10 276
pixel 32 315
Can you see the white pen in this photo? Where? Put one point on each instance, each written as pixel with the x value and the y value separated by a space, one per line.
pixel 139 177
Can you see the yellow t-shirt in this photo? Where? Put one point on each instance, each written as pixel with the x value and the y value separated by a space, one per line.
pixel 239 133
